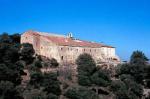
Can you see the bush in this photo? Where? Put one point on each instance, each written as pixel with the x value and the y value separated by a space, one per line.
pixel 52 96
pixel 27 53
pixel 86 66
pixel 84 80
pixel 38 64
pixel 54 62
pixel 34 94
pixel 36 79
pixel 117 85
pixel 8 91
pixel 51 83
pixel 100 78
pixel 85 63
pixel 80 93
pixel 126 89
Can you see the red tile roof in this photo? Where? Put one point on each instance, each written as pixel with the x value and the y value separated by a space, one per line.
pixel 66 41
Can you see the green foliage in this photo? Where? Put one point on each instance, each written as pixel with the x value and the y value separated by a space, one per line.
pixel 48 82
pixel 38 94
pixel 54 62
pixel 11 39
pixel 51 83
pixel 136 71
pixel 127 89
pixel 138 58
pixel 84 80
pixel 15 38
pixel 11 68
pixel 10 73
pixel 85 63
pixel 80 93
pixel 5 38
pixel 89 74
pixel 134 88
pixel 101 78
pixel 38 64
pixel 117 85
pixel 132 75
pixel 135 68
pixel 8 53
pixel 86 66
pixel 36 79
pixel 27 53
pixel 52 96
pixel 147 76
pixel 8 91
pixel 34 94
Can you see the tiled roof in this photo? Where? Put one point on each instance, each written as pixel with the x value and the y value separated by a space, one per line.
pixel 66 41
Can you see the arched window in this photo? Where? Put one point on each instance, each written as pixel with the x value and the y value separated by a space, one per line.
pixel 61 49
pixel 62 57
pixel 90 50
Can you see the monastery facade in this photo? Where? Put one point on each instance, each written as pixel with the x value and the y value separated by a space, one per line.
pixel 66 49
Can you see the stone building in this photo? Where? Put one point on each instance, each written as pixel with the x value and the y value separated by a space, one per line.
pixel 66 49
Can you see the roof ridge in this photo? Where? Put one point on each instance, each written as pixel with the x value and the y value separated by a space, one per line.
pixel 61 39
pixel 47 33
pixel 50 34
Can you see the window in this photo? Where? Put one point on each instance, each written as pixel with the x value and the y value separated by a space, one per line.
pixel 62 57
pixel 90 50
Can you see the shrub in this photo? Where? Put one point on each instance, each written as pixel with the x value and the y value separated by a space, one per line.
pixel 84 80
pixel 54 62
pixel 36 79
pixel 86 63
pixel 52 96
pixel 86 66
pixel 80 93
pixel 100 78
pixel 51 83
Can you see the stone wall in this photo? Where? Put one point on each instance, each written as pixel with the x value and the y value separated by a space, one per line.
pixel 65 54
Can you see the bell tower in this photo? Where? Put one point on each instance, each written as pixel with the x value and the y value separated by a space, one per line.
pixel 70 35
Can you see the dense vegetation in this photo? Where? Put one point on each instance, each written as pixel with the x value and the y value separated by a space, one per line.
pixel 14 59
pixel 94 82
pixel 130 79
